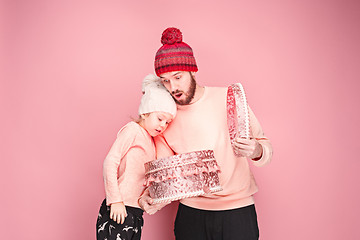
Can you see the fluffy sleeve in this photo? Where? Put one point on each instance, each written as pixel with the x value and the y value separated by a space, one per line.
pixel 124 141
pixel 259 135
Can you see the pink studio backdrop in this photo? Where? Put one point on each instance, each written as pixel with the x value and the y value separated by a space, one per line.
pixel 71 77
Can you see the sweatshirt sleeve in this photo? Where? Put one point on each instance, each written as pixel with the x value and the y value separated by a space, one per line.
pixel 258 134
pixel 124 141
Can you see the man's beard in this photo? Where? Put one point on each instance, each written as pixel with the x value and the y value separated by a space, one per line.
pixel 189 94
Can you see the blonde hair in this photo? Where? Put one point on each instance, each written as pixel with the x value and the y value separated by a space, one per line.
pixel 140 118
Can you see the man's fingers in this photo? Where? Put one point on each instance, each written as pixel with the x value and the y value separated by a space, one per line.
pixel 245 141
pixel 244 150
pixel 145 202
pixel 148 199
pixel 244 147
pixel 248 148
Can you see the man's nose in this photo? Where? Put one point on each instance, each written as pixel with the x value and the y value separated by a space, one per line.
pixel 172 87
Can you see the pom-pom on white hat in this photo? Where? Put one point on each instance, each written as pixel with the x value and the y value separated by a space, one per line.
pixel 156 97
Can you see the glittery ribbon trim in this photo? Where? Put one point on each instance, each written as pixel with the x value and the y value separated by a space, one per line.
pixel 199 167
pixel 238 113
pixel 186 195
pixel 180 165
pixel 183 187
pixel 178 160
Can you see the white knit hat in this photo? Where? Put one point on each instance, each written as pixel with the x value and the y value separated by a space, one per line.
pixel 156 97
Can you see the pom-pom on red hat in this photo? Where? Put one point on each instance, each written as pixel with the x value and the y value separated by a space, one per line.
pixel 174 55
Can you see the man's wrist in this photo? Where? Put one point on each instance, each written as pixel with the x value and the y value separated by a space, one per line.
pixel 260 155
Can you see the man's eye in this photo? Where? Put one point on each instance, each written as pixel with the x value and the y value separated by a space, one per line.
pixel 165 81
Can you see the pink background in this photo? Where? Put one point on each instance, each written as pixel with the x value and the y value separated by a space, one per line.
pixel 71 73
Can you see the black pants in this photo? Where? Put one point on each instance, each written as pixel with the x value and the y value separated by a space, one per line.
pixel 107 228
pixel 196 224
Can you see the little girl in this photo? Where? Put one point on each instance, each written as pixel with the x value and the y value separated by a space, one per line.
pixel 120 216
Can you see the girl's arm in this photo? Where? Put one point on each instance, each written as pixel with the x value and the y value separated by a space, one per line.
pixel 120 147
pixel 162 147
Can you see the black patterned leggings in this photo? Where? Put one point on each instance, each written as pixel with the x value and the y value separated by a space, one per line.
pixel 108 229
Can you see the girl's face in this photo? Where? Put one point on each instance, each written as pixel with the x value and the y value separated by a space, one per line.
pixel 155 123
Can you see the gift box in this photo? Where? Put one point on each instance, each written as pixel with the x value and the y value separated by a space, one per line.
pixel 181 176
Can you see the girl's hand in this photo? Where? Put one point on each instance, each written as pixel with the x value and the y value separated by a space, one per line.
pixel 118 212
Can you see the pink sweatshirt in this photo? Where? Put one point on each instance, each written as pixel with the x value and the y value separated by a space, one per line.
pixel 123 168
pixel 203 125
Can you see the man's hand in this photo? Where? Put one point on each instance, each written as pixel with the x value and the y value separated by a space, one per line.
pixel 118 212
pixel 146 204
pixel 250 148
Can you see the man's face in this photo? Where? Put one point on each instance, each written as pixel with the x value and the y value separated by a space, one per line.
pixel 181 86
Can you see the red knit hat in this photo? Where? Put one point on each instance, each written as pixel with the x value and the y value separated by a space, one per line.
pixel 174 55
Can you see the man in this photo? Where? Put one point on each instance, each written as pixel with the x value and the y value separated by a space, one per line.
pixel 201 123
